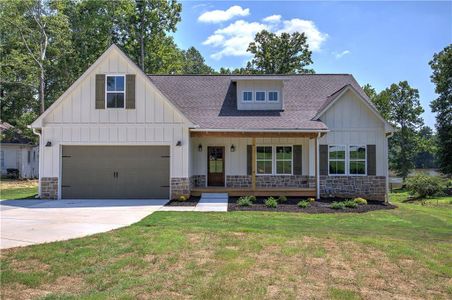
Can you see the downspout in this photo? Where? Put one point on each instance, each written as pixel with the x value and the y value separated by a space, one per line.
pixel 387 166
pixel 40 156
pixel 317 167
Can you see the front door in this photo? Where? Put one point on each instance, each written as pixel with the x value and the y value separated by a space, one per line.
pixel 215 166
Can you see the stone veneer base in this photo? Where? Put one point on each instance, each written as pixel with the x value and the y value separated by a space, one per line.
pixel 49 188
pixel 180 186
pixel 369 187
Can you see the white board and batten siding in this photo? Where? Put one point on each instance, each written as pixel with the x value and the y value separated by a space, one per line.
pixel 75 121
pixel 351 122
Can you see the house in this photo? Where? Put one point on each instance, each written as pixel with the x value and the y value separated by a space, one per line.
pixel 19 155
pixel 119 133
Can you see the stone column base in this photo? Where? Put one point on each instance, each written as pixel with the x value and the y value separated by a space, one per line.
pixel 180 186
pixel 49 188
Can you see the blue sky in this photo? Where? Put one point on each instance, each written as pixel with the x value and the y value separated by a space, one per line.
pixel 378 42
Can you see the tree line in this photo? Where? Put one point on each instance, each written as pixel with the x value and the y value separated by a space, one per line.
pixel 47 44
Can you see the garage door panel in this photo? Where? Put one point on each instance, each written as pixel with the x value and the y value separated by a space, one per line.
pixel 115 172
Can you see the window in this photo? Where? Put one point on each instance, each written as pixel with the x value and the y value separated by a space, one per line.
pixel 34 155
pixel 247 96
pixel 28 156
pixel 3 158
pixel 264 160
pixel 284 160
pixel 336 161
pixel 273 96
pixel 357 163
pixel 260 96
pixel 115 92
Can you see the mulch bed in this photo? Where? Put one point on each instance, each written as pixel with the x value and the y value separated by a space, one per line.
pixel 319 206
pixel 190 202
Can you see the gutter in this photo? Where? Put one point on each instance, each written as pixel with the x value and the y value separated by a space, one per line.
pixel 260 130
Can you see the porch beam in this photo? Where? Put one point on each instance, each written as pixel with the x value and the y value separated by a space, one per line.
pixel 248 134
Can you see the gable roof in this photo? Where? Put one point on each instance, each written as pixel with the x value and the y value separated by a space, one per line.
pixel 113 48
pixel 13 135
pixel 209 101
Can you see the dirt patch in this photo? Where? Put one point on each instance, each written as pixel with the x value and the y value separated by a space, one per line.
pixel 29 265
pixel 16 184
pixel 193 201
pixel 319 206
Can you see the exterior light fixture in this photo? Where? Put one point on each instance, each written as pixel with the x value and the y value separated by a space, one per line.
pixel 199 148
pixel 232 148
pixel 49 144
pixel 179 143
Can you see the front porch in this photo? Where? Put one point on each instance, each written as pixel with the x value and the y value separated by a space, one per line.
pixel 255 163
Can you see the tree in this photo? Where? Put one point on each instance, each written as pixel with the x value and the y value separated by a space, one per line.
pixel 36 35
pixel 194 62
pixel 280 54
pixel 380 100
pixel 405 115
pixel 427 150
pixel 441 65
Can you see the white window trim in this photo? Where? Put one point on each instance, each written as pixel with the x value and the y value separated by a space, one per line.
pixel 243 96
pixel 335 159
pixel 272 160
pixel 106 92
pixel 260 101
pixel 268 96
pixel 350 160
pixel 274 173
pixel 276 160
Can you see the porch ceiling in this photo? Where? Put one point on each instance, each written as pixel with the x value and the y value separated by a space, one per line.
pixel 255 134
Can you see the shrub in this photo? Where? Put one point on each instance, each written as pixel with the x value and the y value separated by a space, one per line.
pixel 311 200
pixel 244 201
pixel 252 198
pixel 424 185
pixel 271 202
pixel 303 204
pixel 360 201
pixel 182 198
pixel 282 199
pixel 350 204
pixel 337 205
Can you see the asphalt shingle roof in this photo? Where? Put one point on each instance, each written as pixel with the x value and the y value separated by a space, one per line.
pixel 209 101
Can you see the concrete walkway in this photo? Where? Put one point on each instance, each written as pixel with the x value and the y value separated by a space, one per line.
pixel 208 202
pixel 27 222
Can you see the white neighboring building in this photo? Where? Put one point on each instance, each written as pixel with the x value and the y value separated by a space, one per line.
pixel 19 153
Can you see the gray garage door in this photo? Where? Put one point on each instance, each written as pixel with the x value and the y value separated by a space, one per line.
pixel 109 172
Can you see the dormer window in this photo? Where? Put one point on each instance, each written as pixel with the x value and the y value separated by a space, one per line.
pixel 247 96
pixel 260 96
pixel 115 91
pixel 273 96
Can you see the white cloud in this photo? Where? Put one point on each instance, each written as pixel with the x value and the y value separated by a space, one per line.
pixel 233 40
pixel 272 19
pixel 315 37
pixel 217 16
pixel 340 54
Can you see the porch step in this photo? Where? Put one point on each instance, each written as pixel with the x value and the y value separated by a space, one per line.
pixel 213 202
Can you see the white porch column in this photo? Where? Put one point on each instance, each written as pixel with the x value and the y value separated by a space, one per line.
pixel 317 166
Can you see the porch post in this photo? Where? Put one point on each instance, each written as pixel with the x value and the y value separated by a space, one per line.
pixel 317 167
pixel 253 164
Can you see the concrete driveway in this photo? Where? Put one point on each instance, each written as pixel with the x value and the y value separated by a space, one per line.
pixel 27 222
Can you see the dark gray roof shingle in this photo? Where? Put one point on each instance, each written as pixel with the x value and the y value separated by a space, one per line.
pixel 209 101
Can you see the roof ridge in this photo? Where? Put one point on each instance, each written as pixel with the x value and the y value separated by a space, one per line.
pixel 252 75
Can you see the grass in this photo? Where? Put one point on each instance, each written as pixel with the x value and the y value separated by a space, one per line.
pixel 400 253
pixel 18 189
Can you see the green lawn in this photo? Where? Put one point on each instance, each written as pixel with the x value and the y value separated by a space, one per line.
pixel 18 189
pixel 400 253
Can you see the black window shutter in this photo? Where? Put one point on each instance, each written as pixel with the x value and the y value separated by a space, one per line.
pixel 371 160
pixel 130 91
pixel 323 157
pixel 297 160
pixel 249 157
pixel 100 91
